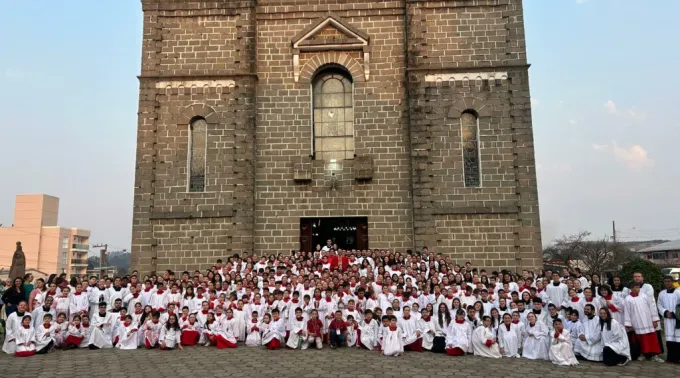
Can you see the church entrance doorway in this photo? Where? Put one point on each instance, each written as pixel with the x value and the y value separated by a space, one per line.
pixel 346 232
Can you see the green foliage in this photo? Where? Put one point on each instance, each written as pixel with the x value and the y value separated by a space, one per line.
pixel 650 271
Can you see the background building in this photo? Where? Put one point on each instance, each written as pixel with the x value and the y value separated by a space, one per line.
pixel 48 247
pixel 272 125
pixel 664 254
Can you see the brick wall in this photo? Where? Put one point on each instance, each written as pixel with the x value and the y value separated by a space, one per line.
pixel 232 62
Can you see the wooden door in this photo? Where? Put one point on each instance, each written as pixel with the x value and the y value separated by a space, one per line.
pixel 362 234
pixel 306 235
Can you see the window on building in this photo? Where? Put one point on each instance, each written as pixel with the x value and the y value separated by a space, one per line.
pixel 333 115
pixel 198 129
pixel 469 123
pixel 64 243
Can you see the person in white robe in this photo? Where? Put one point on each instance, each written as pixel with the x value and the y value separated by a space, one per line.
pixel 535 336
pixel 613 303
pixel 458 336
pixel 39 312
pixel 668 302
pixel 557 291
pixel 642 316
pixel 74 333
pixel 588 344
pixel 616 348
pixel 411 331
pixel 24 338
pixel 298 331
pixel 44 335
pixel 240 321
pixel 561 350
pixel 191 331
pixel 79 303
pixel 171 334
pixel 427 325
pixel 589 299
pixel 97 295
pixel 86 328
pixel 352 332
pixel 226 334
pixel 254 337
pixel 509 337
pixel 13 326
pixel 553 315
pixel 393 340
pixel 127 334
pixel 102 325
pixel 484 340
pixel 273 335
pixel 368 331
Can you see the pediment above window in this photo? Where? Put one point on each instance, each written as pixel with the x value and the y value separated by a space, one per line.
pixel 329 33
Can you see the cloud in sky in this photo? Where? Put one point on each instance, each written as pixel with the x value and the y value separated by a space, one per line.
pixel 632 113
pixel 610 106
pixel 634 157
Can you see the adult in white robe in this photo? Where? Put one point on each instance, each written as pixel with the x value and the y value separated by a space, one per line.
pixel 102 326
pixel 614 303
pixel 40 312
pixel 13 327
pixel 127 336
pixel 616 349
pixel 561 349
pixel 535 335
pixel 667 304
pixel 484 341
pixel 298 332
pixel 641 314
pixel 588 344
pixel 509 337
pixel 557 291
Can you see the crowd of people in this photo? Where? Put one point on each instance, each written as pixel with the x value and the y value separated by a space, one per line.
pixel 376 300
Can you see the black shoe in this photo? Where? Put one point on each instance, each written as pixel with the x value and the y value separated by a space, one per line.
pixel 92 346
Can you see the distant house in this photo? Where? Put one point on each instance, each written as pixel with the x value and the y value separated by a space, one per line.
pixel 665 254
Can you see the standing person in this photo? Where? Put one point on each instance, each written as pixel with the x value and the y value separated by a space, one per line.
pixel 535 334
pixel 28 286
pixel 616 349
pixel 39 312
pixel 13 295
pixel 13 327
pixel 557 291
pixel 561 350
pixel 484 340
pixel 669 299
pixel 613 303
pixel 641 316
pixel 36 296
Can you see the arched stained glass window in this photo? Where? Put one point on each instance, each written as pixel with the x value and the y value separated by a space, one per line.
pixel 198 129
pixel 333 115
pixel 469 124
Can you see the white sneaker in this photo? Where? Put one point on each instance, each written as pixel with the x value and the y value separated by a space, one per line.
pixel 641 358
pixel 657 359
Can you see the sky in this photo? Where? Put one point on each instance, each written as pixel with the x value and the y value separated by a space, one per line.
pixel 603 87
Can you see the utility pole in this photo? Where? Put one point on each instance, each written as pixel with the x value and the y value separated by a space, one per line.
pixel 102 257
pixel 614 231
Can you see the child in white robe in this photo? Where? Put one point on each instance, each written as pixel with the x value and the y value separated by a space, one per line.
pixel 240 321
pixel 62 302
pixel 86 330
pixel 191 331
pixel 24 337
pixel 60 327
pixel 368 331
pixel 254 337
pixel 458 336
pixel 535 335
pixel 44 336
pixel 226 334
pixel 352 332
pixel 74 333
pixel 275 332
pixel 561 351
pixel 210 329
pixel 127 334
pixel 509 337
pixel 484 340
pixel 297 338
pixel 79 303
pixel 393 340
pixel 102 323
pixel 152 330
pixel 170 334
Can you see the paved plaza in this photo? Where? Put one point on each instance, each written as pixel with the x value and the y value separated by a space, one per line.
pixel 258 362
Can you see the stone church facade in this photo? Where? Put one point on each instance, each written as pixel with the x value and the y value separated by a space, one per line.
pixel 272 125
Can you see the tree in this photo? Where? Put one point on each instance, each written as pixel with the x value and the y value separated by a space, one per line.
pixel 594 256
pixel 650 271
pixel 566 249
